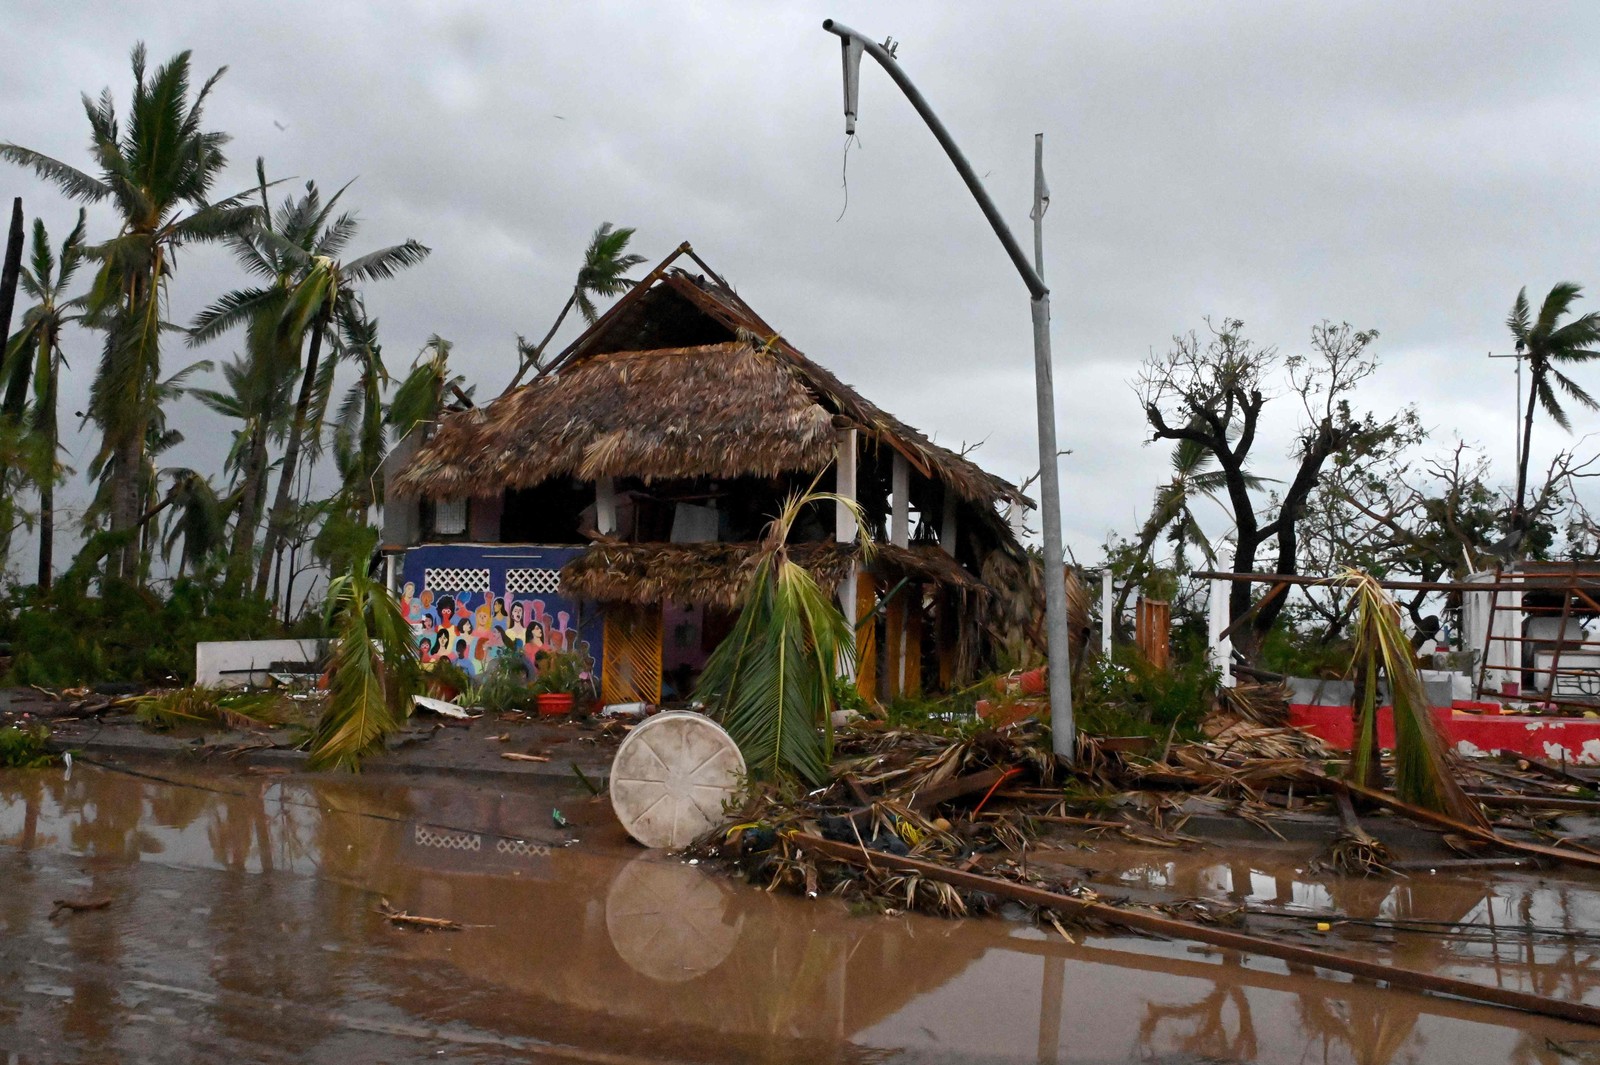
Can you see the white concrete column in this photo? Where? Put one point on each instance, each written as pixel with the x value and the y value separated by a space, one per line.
pixel 605 506
pixel 1108 624
pixel 844 486
pixel 900 519
pixel 391 579
pixel 947 527
pixel 1221 649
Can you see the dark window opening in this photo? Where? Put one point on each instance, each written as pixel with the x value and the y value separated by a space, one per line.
pixel 548 513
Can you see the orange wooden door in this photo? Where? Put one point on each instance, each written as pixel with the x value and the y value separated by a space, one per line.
pixel 631 653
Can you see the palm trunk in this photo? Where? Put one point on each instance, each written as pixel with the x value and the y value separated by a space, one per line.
pixel 281 503
pixel 244 530
pixel 47 482
pixel 126 501
pixel 538 352
pixel 1519 517
pixel 11 270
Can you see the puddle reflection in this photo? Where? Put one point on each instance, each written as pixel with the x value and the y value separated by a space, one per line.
pixel 596 944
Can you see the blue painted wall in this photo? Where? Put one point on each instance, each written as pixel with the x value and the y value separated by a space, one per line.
pixel 495 600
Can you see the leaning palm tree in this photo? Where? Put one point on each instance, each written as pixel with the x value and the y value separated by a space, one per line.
pixel 34 357
pixel 771 681
pixel 323 294
pixel 1548 343
pixel 157 172
pixel 605 262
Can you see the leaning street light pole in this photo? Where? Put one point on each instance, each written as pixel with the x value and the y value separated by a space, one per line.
pixel 1055 589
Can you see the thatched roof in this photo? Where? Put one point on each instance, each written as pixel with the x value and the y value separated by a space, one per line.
pixel 715 575
pixel 714 410
pixel 679 379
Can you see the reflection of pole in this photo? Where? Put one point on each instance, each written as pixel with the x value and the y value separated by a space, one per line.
pixel 1050 995
pixel 1055 590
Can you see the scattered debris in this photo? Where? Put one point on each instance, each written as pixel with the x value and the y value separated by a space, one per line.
pixel 402 919
pixel 513 756
pixel 70 906
pixel 441 706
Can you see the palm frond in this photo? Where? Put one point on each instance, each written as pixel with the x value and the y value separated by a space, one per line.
pixel 74 183
pixel 771 680
pixel 1423 773
pixel 386 262
pixel 373 676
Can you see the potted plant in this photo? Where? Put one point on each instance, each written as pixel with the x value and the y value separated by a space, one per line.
pixel 560 674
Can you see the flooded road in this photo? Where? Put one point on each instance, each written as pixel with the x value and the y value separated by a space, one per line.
pixel 242 927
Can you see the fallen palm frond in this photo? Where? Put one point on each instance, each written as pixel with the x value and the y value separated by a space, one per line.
pixel 205 705
pixel 1259 704
pixel 771 682
pixel 1424 775
pixel 373 678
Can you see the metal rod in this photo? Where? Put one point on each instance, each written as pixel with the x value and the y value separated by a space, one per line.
pixel 1537 584
pixel 1019 259
pixel 1063 731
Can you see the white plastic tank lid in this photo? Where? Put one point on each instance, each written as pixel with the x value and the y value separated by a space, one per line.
pixel 671 777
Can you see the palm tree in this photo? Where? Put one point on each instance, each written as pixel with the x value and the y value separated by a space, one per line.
pixel 34 356
pixel 322 294
pixel 197 516
pixel 158 174
pixel 358 432
pixel 262 383
pixel 604 264
pixel 1547 344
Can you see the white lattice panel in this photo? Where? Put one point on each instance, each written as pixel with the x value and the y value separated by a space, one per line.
pixel 525 581
pixel 453 579
pixel 446 839
pixel 520 848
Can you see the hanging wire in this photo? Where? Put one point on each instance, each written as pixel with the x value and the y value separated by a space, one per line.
pixel 844 172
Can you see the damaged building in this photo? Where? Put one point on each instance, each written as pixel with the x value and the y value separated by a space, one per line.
pixel 614 505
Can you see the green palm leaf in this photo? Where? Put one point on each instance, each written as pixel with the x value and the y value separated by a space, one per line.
pixel 771 680
pixel 373 676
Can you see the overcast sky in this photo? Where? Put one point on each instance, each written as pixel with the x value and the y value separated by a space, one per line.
pixel 1404 167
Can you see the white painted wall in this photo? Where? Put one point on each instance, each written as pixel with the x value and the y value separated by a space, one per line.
pixel 215 662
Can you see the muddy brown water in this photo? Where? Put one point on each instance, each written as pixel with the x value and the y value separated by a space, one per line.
pixel 242 927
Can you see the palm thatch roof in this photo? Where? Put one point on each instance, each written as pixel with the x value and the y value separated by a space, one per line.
pixel 715 574
pixel 679 379
pixel 713 410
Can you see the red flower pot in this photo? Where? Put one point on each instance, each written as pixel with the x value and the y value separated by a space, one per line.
pixel 554 704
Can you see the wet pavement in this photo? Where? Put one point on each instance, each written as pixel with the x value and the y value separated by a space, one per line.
pixel 241 927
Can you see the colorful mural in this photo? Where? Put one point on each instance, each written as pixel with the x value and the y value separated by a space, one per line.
pixel 473 604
